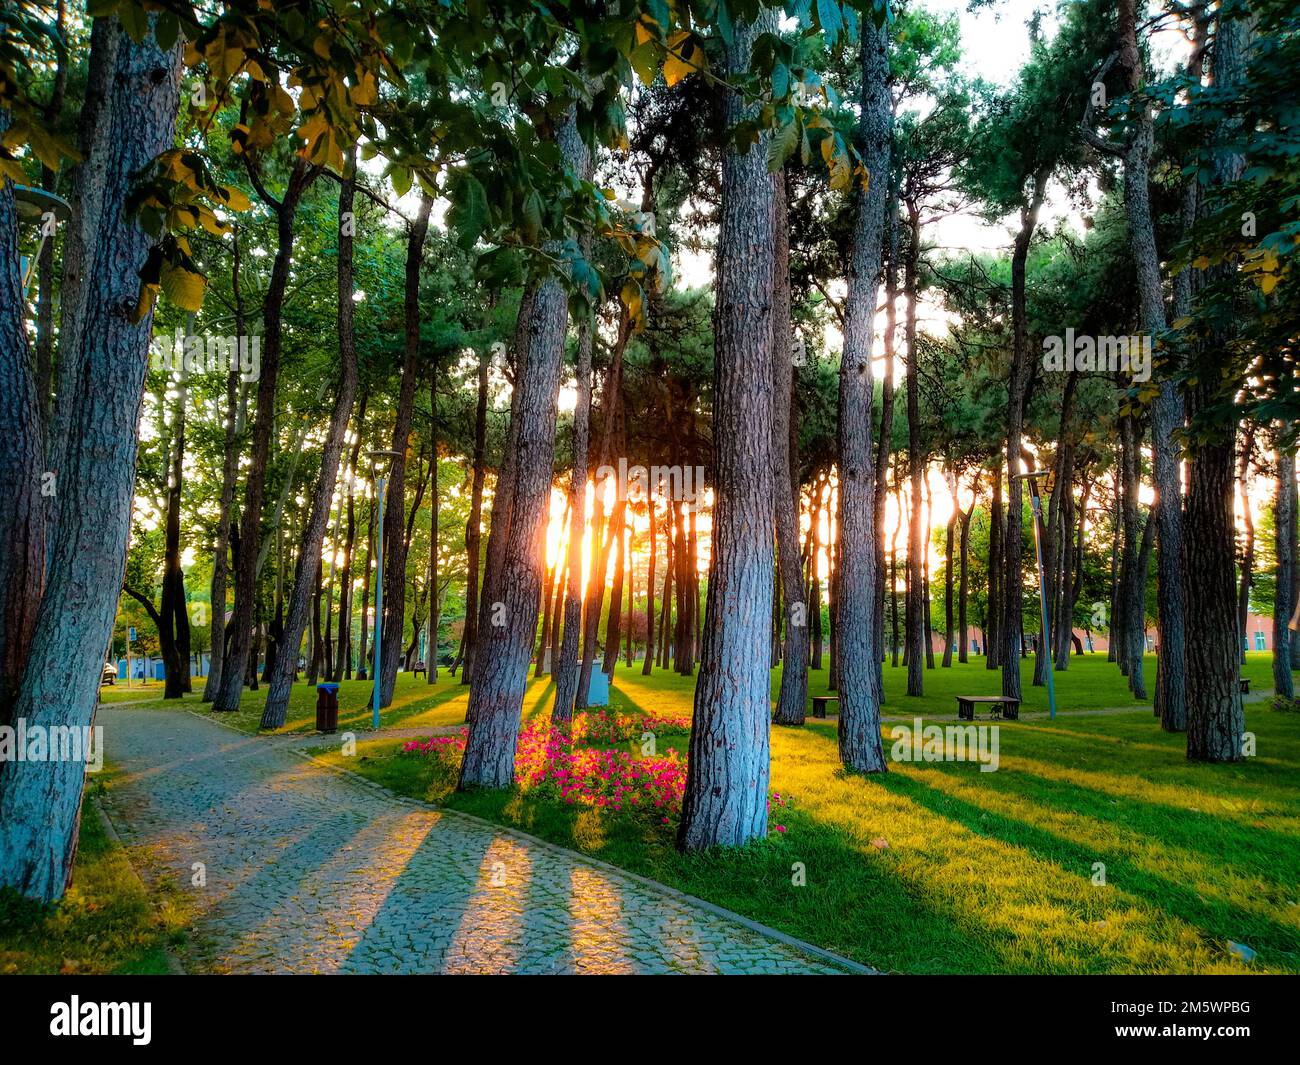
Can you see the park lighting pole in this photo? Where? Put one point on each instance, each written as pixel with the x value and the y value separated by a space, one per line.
pixel 381 483
pixel 1037 502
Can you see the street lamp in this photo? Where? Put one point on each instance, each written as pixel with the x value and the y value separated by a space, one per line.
pixel 381 483
pixel 1037 502
pixel 42 209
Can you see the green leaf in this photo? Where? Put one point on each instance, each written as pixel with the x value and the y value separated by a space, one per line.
pixel 183 287
pixel 469 214
pixel 782 145
pixel 830 19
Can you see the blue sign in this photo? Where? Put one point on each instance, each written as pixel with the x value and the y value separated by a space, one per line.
pixel 132 636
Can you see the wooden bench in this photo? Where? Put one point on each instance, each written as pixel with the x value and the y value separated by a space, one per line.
pixel 1000 706
pixel 417 669
pixel 819 704
pixel 1245 685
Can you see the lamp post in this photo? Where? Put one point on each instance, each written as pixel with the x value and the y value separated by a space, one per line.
pixel 381 484
pixel 1036 501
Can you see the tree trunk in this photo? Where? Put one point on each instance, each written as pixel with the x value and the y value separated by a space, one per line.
pixel 362 666
pixel 566 670
pixel 613 624
pixel 884 444
pixel 963 588
pixel 728 765
pixel 1248 554
pixel 473 529
pixel 343 656
pixel 913 627
pixel 949 535
pixel 1018 400
pixel 300 177
pixel 814 576
pixel 792 699
pixel 859 723
pixel 652 571
pixel 395 540
pixel 997 527
pixel 309 550
pixel 1215 722
pixel 496 695
pixel 1284 603
pixel 175 611
pixel 40 801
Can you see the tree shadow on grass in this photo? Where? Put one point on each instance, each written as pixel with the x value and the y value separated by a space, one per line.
pixel 1216 919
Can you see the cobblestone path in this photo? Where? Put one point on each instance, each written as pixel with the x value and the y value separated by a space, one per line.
pixel 310 871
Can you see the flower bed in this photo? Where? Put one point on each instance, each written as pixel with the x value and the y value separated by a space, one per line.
pixel 562 765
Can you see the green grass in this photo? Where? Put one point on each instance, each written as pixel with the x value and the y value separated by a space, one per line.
pixel 415 703
pixel 1090 683
pixel 936 867
pixel 106 923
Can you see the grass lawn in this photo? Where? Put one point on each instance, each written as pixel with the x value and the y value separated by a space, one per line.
pixel 937 867
pixel 106 923
pixel 1090 683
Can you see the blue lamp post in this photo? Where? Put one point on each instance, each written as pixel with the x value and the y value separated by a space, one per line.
pixel 381 484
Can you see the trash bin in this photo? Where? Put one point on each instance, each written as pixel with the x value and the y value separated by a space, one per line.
pixel 327 708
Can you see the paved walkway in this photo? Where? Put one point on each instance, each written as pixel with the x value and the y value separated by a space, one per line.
pixel 308 870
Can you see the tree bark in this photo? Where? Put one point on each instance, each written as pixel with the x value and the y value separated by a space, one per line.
pixel 309 550
pixel 501 673
pixel 395 540
pixel 725 803
pixel 1284 603
pixel 1018 399
pixel 566 672
pixel 859 723
pixel 300 177
pixel 40 802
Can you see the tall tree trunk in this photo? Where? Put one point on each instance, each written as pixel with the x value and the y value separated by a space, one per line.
pixel 566 670
pixel 651 573
pixel 997 527
pixel 343 656
pixel 554 574
pixel 175 611
pixel 859 723
pixel 792 700
pixel 963 588
pixel 1288 543
pixel 613 624
pixel 1215 722
pixel 300 177
pixel 40 801
pixel 913 627
pixel 814 576
pixel 884 443
pixel 1167 413
pixel 1017 402
pixel 395 540
pixel 363 668
pixel 473 529
pixel 497 693
pixel 1248 554
pixel 229 478
pixel 949 536
pixel 728 764
pixel 309 549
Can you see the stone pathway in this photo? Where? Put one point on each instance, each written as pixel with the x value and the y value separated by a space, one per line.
pixel 307 870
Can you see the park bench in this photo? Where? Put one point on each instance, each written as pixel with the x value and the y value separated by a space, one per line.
pixel 819 704
pixel 1245 685
pixel 417 669
pixel 1000 706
